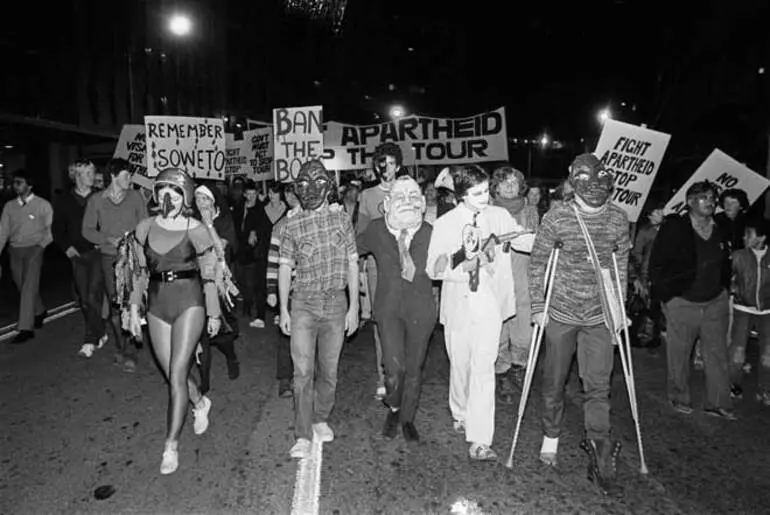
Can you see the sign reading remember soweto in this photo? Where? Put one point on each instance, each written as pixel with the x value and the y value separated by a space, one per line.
pixel 633 154
pixel 195 145
pixel 423 140
pixel 298 138
pixel 723 172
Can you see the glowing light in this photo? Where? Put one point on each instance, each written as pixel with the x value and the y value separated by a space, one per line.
pixel 544 140
pixel 761 70
pixel 180 25
pixel 604 115
pixel 397 111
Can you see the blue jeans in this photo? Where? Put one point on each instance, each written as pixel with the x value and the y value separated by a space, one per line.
pixel 317 322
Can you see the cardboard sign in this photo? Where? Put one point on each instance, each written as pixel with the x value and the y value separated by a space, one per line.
pixel 633 154
pixel 423 140
pixel 298 138
pixel 131 147
pixel 724 173
pixel 195 145
pixel 250 157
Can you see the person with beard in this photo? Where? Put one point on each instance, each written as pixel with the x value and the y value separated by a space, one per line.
pixel 26 224
pixel 170 262
pixel 579 319
pixel 477 296
pixel 320 245
pixel 690 274
pixel 109 215
pixel 404 307
pixel 387 162
pixel 509 190
pixel 212 210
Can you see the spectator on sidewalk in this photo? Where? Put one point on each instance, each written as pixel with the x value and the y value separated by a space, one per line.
pixel 732 221
pixel 26 224
pixel 84 256
pixel 110 214
pixel 751 288
pixel 319 243
pixel 689 269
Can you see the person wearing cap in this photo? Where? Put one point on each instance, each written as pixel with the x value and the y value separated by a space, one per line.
pixel 168 269
pixel 109 215
pixel 690 274
pixel 579 319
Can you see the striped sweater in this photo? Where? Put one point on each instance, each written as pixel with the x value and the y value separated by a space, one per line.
pixel 273 252
pixel 575 299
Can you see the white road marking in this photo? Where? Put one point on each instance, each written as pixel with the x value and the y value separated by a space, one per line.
pixel 307 488
pixel 59 312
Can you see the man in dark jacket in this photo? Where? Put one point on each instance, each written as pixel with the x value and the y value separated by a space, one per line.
pixel 689 269
pixel 84 256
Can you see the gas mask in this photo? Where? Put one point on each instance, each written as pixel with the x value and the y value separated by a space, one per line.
pixel 404 204
pixel 313 185
pixel 591 181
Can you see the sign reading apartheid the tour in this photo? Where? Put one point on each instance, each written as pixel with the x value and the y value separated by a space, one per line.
pixel 195 145
pixel 724 173
pixel 298 138
pixel 250 157
pixel 633 154
pixel 423 140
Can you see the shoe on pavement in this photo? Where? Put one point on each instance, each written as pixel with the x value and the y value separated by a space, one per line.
pixel 87 350
pixel 721 413
pixel 410 432
pixel 233 369
pixel 40 319
pixel 170 459
pixel 129 366
pixel 482 452
pixel 284 389
pixel 23 337
pixel 257 323
pixel 459 426
pixel 380 393
pixel 102 341
pixel 390 428
pixel 323 432
pixel 201 415
pixel 301 449
pixel 681 407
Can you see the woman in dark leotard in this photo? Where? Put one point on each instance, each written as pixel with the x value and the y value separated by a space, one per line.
pixel 170 261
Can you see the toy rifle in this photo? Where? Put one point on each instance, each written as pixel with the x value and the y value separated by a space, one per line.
pixel 460 256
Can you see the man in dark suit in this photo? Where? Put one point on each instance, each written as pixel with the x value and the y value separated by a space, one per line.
pixel 403 304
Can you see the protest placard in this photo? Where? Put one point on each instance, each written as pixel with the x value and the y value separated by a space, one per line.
pixel 237 153
pixel 298 138
pixel 723 172
pixel 633 154
pixel 423 140
pixel 251 156
pixel 195 145
pixel 131 147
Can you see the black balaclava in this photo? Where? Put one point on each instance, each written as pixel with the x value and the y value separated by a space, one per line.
pixel 591 181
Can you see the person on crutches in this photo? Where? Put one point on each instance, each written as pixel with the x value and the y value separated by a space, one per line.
pixel 591 233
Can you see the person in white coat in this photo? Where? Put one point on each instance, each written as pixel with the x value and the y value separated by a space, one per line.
pixel 477 296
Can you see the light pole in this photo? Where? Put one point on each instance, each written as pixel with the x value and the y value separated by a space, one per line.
pixel 543 141
pixel 397 111
pixel 180 26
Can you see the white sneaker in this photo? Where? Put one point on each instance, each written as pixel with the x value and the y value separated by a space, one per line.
pixel 257 323
pixel 102 341
pixel 201 414
pixel 380 393
pixel 170 459
pixel 301 449
pixel 87 350
pixel 323 432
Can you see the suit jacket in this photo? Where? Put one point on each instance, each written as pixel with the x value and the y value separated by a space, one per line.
pixel 394 295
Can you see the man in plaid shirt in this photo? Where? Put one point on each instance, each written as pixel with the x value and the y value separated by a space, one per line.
pixel 320 246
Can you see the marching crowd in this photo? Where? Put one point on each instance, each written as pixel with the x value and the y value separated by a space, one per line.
pixel 496 261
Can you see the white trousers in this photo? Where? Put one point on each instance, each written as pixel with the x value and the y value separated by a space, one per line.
pixel 471 344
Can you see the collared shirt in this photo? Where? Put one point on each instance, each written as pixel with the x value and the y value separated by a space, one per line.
pixel 409 233
pixel 25 223
pixel 319 245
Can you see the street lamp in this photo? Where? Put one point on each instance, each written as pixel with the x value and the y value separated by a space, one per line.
pixel 180 25
pixel 604 115
pixel 397 112
pixel 544 140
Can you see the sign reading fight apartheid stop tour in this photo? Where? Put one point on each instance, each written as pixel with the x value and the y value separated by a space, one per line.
pixel 633 154
pixel 724 173
pixel 423 140
pixel 298 138
pixel 195 145
pixel 250 157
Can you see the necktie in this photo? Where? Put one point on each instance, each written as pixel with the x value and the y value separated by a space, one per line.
pixel 407 265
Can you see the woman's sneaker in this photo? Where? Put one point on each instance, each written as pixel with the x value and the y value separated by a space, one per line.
pixel 201 415
pixel 300 449
pixel 87 350
pixel 170 459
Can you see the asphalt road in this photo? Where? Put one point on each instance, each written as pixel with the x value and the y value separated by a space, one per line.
pixel 69 426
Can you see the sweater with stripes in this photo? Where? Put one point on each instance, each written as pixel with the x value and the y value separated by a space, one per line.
pixel 575 298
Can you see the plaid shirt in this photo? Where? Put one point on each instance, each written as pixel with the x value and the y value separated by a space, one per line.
pixel 319 245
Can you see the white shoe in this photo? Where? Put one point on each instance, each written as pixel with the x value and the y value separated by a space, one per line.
pixel 257 323
pixel 201 414
pixel 170 459
pixel 87 350
pixel 323 432
pixel 380 393
pixel 102 341
pixel 301 449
